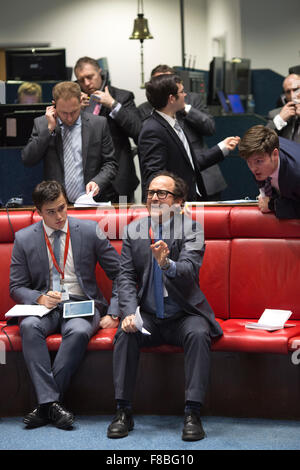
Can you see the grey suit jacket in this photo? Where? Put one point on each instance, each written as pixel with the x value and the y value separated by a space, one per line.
pixel 29 270
pixel 186 245
pixel 98 159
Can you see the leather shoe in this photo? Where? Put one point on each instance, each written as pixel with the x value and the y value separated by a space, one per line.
pixel 60 417
pixel 36 418
pixel 192 430
pixel 121 424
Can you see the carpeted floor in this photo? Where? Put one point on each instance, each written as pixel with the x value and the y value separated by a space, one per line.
pixel 153 433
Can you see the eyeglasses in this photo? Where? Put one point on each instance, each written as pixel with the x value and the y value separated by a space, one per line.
pixel 160 193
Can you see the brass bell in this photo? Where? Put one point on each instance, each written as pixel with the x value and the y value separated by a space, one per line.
pixel 140 28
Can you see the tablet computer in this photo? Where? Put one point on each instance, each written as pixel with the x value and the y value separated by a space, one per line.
pixel 79 309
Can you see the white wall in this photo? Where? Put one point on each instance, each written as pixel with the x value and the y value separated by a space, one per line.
pixel 270 33
pixel 266 31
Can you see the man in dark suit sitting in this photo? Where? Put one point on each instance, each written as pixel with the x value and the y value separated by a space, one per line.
pixel 275 164
pixel 159 272
pixel 163 144
pixel 118 107
pixel 53 261
pixel 76 148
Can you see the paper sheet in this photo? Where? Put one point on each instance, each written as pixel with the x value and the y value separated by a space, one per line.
pixel 26 310
pixel 271 320
pixel 139 322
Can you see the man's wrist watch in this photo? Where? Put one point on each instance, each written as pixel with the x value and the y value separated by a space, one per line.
pixel 114 104
pixel 166 264
pixel 114 317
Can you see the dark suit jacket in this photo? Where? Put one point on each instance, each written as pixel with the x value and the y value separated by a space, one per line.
pixel 196 124
pixel 29 271
pixel 186 249
pixel 160 148
pixel 98 159
pixel 125 124
pixel 287 132
pixel 287 204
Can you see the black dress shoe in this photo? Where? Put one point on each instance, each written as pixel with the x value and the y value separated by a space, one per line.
pixel 36 418
pixel 192 430
pixel 121 424
pixel 60 417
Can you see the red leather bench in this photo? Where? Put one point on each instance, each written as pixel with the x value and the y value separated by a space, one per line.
pixel 252 262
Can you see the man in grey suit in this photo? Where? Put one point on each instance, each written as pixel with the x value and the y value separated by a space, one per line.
pixel 76 148
pixel 286 119
pixel 196 122
pixel 54 261
pixel 159 272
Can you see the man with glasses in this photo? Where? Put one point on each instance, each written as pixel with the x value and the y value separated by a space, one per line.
pixel 163 144
pixel 285 120
pixel 159 273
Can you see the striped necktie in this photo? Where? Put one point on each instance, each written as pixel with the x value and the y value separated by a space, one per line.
pixel 71 182
pixel 268 187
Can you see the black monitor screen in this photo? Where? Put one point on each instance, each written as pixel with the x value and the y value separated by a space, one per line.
pixel 16 122
pixel 35 64
pixel 216 79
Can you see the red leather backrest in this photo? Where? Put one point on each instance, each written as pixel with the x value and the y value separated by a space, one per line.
pixel 5 256
pixel 264 273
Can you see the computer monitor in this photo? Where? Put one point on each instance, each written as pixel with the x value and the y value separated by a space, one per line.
pixel 223 101
pixel 216 79
pixel 236 104
pixel 16 122
pixel 35 64
pixel 238 77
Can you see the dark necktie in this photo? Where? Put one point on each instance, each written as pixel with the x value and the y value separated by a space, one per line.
pixel 56 251
pixel 158 284
pixel 266 186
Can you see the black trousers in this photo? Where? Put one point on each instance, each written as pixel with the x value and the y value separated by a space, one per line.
pixel 188 331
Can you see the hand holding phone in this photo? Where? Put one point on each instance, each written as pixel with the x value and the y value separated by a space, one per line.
pixel 51 116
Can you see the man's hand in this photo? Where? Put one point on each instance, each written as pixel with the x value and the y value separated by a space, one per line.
pixel 231 142
pixel 84 100
pixel 263 204
pixel 128 324
pixel 51 116
pixel 92 186
pixel 108 322
pixel 288 111
pixel 50 300
pixel 160 251
pixel 105 97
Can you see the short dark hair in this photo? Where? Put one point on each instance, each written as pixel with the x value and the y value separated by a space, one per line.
pixel 258 140
pixel 180 186
pixel 47 191
pixel 162 68
pixel 159 88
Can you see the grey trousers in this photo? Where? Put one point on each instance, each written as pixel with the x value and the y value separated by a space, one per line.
pixel 51 380
pixel 188 331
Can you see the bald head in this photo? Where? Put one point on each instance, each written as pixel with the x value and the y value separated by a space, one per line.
pixel 290 83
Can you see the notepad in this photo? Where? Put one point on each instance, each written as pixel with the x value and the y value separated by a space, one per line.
pixel 270 320
pixel 21 310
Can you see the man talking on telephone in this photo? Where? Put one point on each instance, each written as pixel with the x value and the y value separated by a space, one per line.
pixel 76 148
pixel 118 106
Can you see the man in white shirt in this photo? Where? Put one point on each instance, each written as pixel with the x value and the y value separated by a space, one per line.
pixel 163 144
pixel 285 121
pixel 54 261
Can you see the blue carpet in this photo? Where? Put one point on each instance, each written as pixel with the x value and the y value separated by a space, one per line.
pixel 153 433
